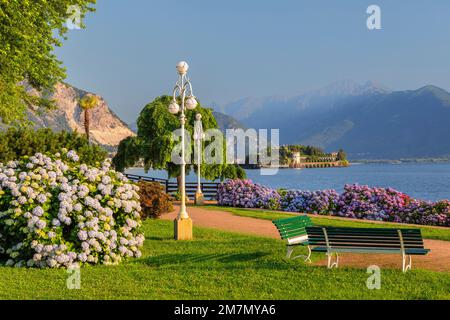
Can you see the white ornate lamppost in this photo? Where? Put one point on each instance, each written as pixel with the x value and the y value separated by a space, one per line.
pixel 198 137
pixel 183 89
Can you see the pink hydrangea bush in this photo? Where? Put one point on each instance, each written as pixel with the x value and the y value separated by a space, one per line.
pixel 56 212
pixel 364 202
pixel 387 204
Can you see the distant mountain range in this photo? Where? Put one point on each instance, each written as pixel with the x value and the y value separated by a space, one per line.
pixel 227 122
pixel 107 128
pixel 367 120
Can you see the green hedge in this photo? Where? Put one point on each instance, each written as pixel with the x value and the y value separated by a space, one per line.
pixel 18 142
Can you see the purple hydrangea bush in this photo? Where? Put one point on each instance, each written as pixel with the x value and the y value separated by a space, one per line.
pixel 56 212
pixel 426 213
pixel 315 202
pixel 439 216
pixel 246 194
pixel 360 202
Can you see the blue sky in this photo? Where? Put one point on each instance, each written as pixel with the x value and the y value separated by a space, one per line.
pixel 256 48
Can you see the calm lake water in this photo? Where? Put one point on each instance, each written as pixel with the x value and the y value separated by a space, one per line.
pixel 427 181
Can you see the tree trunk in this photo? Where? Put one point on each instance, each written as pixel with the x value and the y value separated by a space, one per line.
pixel 179 183
pixel 87 119
pixel 179 188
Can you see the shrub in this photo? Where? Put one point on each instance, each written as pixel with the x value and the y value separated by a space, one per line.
pixel 363 202
pixel 56 212
pixel 46 141
pixel 246 194
pixel 317 202
pixel 440 215
pixel 360 202
pixel 426 213
pixel 154 201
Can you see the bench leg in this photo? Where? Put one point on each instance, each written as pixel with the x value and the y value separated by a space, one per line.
pixel 290 249
pixel 307 258
pixel 332 262
pixel 407 262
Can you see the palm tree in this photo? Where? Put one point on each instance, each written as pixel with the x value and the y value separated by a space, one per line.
pixel 87 103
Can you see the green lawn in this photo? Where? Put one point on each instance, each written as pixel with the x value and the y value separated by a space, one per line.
pixel 427 232
pixel 218 265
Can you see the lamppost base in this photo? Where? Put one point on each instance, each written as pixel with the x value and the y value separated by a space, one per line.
pixel 183 229
pixel 199 199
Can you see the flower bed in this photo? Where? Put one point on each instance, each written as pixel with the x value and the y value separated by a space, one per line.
pixel 360 202
pixel 363 202
pixel 246 194
pixel 56 212
pixel 315 202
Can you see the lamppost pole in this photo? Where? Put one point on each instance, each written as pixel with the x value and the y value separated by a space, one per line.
pixel 183 88
pixel 198 137
pixel 183 213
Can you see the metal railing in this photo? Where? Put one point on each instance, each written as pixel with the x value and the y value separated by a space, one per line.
pixel 209 189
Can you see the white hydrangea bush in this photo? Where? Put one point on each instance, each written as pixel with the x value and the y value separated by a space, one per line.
pixel 56 212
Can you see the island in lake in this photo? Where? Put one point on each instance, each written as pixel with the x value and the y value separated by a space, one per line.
pixel 299 156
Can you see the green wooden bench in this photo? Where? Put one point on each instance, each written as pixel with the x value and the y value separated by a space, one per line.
pixel 294 231
pixel 334 240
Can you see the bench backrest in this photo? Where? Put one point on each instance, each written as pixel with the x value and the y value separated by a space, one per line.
pixel 292 227
pixel 365 237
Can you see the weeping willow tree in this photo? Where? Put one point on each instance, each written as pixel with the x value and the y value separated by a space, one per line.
pixel 154 143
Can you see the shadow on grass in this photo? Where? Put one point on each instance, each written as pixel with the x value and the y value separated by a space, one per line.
pixel 160 238
pixel 201 258
pixel 256 260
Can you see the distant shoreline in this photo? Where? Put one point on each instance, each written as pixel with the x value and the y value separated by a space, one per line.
pixel 400 161
pixel 358 162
